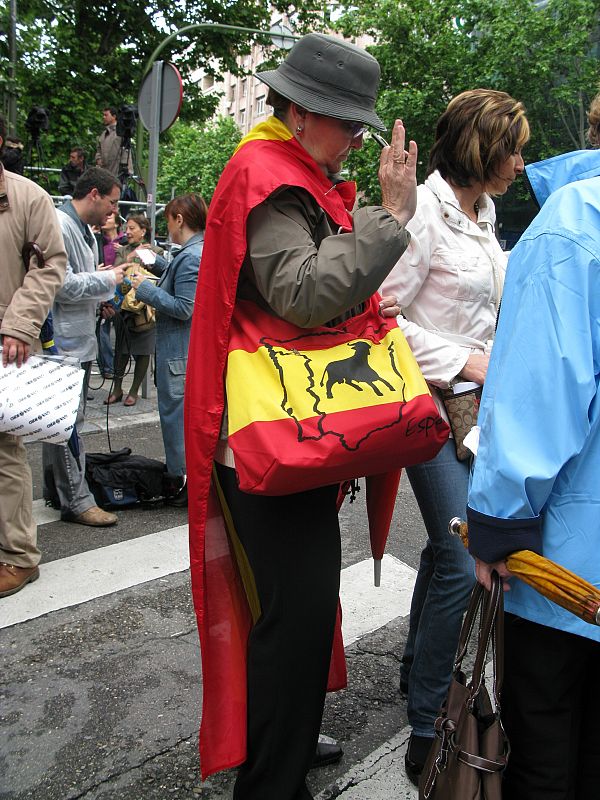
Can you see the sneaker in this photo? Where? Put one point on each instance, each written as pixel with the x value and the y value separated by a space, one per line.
pixel 93 516
pixel 13 579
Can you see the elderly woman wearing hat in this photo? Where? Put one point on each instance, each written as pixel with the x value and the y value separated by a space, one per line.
pixel 281 233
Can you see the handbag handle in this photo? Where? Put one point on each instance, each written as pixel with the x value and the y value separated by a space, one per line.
pixel 32 249
pixel 491 631
pixel 467 626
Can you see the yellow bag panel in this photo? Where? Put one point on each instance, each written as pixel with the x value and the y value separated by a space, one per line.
pixel 277 383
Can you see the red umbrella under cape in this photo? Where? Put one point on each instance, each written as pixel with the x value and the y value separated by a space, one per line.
pixel 555 582
pixel 382 490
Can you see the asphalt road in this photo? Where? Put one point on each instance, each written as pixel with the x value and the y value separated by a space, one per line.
pixel 101 699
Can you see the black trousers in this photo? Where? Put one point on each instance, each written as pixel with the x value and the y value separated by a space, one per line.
pixel 293 546
pixel 551 709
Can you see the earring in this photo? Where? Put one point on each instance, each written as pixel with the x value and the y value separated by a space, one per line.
pixel 299 129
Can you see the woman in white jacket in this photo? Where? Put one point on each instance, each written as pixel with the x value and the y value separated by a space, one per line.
pixel 448 284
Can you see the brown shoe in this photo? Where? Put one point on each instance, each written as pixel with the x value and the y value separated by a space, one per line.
pixel 95 517
pixel 13 579
pixel 130 400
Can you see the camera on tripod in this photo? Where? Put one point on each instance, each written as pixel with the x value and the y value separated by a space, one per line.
pixel 126 122
pixel 36 122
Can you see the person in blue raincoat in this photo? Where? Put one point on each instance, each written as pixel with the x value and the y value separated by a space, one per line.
pixel 536 480
pixel 173 299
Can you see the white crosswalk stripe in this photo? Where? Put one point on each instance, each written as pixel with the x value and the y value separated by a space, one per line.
pixel 104 571
pixel 96 573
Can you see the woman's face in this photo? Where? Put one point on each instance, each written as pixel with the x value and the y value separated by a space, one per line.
pixel 135 233
pixel 174 229
pixel 505 174
pixel 330 140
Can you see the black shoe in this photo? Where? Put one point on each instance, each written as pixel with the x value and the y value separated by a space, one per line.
pixel 180 500
pixel 175 490
pixel 327 752
pixel 416 756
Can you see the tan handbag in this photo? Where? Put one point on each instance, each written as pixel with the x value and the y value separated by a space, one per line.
pixel 462 409
pixel 470 749
pixel 143 315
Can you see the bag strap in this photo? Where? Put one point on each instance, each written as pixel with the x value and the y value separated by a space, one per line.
pixel 498 649
pixel 483 764
pixel 467 626
pixel 493 607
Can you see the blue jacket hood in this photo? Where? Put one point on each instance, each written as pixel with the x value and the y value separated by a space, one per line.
pixel 547 176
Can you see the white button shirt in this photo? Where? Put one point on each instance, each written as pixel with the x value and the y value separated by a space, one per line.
pixel 448 282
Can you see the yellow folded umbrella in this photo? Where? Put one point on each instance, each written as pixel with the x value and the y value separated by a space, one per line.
pixel 558 584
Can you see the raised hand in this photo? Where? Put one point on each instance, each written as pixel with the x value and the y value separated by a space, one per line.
pixel 398 175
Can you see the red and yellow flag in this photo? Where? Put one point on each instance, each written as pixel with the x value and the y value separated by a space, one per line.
pixel 308 408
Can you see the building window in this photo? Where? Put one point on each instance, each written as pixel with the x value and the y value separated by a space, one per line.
pixel 244 87
pixel 243 116
pixel 260 105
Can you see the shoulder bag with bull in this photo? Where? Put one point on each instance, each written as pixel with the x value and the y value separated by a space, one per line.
pixel 317 406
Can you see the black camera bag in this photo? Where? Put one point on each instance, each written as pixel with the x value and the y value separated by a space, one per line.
pixel 121 480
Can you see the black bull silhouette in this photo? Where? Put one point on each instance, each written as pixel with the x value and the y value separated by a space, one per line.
pixel 354 370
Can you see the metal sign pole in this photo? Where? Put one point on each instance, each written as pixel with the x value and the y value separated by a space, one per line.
pixel 154 131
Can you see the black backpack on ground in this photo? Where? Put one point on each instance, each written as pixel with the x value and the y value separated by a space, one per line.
pixel 117 480
pixel 121 480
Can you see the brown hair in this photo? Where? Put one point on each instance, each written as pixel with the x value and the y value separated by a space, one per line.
pixel 477 132
pixel 191 207
pixel 94 178
pixel 593 115
pixel 143 221
pixel 280 104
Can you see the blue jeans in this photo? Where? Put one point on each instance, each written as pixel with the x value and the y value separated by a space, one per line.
pixel 170 388
pixel 444 582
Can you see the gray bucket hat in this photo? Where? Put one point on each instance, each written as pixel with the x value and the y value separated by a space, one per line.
pixel 329 76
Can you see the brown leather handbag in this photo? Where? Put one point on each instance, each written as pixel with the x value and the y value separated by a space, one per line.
pixel 470 749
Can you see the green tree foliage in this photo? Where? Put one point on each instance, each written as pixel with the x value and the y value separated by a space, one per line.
pixel 544 54
pixel 76 56
pixel 194 157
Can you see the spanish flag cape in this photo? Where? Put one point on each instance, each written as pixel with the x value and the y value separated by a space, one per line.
pixel 267 159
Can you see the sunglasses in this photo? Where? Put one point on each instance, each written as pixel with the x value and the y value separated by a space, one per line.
pixel 355 129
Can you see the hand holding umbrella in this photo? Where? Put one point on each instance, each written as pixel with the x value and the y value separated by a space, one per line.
pixel 550 579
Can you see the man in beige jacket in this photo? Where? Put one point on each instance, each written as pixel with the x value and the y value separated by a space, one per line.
pixel 26 215
pixel 110 154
